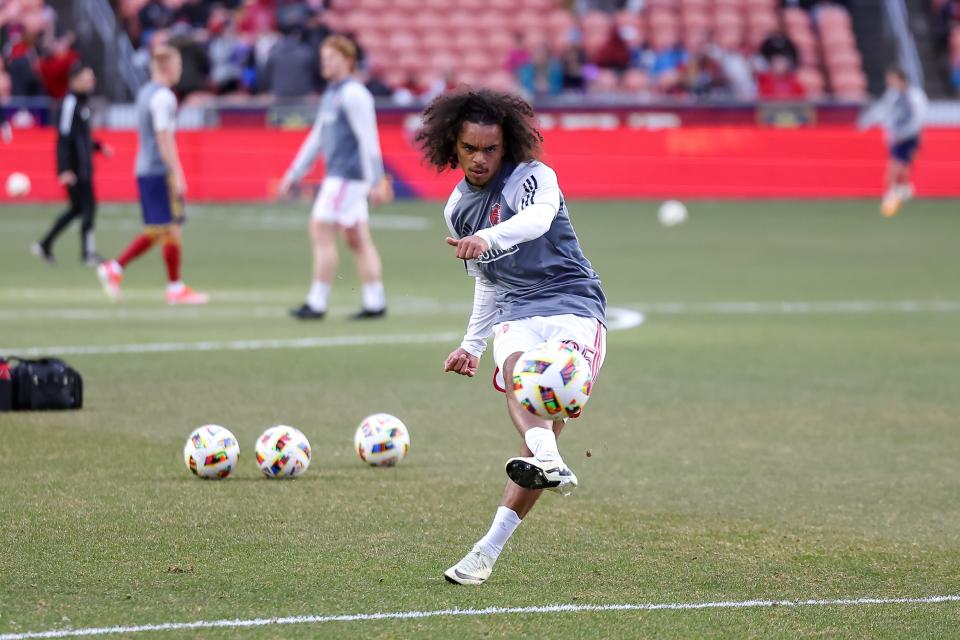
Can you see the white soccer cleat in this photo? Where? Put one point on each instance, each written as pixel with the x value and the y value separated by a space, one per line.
pixel 111 275
pixel 474 568
pixel 531 473
pixel 186 295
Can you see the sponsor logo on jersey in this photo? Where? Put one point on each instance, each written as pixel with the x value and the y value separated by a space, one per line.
pixel 492 256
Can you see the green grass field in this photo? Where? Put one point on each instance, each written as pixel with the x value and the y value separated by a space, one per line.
pixel 760 450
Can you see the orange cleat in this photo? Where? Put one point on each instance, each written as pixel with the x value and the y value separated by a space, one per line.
pixel 186 295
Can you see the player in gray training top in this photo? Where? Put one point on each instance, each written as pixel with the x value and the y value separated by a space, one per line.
pixel 346 132
pixel 510 225
pixel 901 112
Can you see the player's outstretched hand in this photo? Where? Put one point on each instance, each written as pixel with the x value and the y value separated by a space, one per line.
pixel 382 192
pixel 179 184
pixel 470 247
pixel 106 150
pixel 286 187
pixel 67 178
pixel 459 361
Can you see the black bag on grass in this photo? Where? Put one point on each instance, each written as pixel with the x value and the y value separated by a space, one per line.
pixel 44 384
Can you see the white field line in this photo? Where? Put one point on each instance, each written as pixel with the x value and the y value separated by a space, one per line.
pixel 233 345
pixel 617 320
pixel 787 307
pixel 489 611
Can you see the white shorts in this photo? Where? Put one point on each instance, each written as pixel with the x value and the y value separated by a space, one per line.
pixel 586 335
pixel 342 202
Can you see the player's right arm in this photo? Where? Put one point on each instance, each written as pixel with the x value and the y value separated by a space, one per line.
pixel 465 359
pixel 877 112
pixel 163 114
pixel 305 158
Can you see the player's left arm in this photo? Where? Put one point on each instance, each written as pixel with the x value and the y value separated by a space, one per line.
pixel 536 201
pixel 362 116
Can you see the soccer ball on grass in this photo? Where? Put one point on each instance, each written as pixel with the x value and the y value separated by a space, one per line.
pixel 282 452
pixel 381 440
pixel 211 452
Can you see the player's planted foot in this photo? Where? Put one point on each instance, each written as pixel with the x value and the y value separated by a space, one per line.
pixel 368 314
pixel 185 295
pixel 531 473
pixel 890 205
pixel 42 252
pixel 306 312
pixel 111 275
pixel 474 568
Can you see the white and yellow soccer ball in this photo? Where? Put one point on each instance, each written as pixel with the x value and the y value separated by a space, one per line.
pixel 283 452
pixel 382 440
pixel 552 381
pixel 211 452
pixel 18 185
pixel 671 213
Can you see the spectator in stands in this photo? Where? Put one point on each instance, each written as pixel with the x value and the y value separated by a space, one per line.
pixel 373 81
pixel 195 13
pixel 614 54
pixel 54 67
pixel 780 81
pixel 542 74
pixel 293 68
pixel 574 61
pixel 663 60
pixel 778 44
pixel 737 77
pixel 154 16
pixel 193 53
pixel 228 53
pixel 955 73
pixel 518 55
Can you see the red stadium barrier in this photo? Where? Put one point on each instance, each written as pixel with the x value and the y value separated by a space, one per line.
pixel 742 162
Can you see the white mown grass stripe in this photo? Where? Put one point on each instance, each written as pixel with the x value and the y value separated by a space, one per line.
pixel 618 320
pixel 233 345
pixel 489 611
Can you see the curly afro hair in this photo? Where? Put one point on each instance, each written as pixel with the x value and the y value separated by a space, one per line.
pixel 445 115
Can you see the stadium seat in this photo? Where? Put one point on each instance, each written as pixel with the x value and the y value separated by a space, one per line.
pixel 812 80
pixel 635 81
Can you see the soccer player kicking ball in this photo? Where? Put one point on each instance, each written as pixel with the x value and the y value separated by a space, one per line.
pixel 160 182
pixel 346 132
pixel 901 111
pixel 509 223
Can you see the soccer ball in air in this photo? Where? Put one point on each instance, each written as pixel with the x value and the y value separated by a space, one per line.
pixel 18 185
pixel 672 213
pixel 282 452
pixel 382 440
pixel 552 381
pixel 211 452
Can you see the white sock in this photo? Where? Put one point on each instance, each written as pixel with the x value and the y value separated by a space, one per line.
pixel 89 244
pixel 175 287
pixel 505 522
pixel 373 296
pixel 317 298
pixel 543 443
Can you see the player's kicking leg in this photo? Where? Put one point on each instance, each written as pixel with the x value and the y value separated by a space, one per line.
pixel 475 567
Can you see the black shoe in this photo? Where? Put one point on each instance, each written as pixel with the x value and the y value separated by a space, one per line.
pixel 367 314
pixel 306 312
pixel 42 252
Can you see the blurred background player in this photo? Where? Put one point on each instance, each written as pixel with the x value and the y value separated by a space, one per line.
pixel 901 112
pixel 75 147
pixel 508 221
pixel 160 182
pixel 346 132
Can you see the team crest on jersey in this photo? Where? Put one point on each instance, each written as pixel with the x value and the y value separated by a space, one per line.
pixel 495 213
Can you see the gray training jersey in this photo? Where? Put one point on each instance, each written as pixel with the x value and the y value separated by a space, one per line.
pixel 547 276
pixel 902 113
pixel 156 111
pixel 346 133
